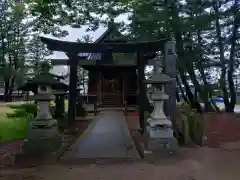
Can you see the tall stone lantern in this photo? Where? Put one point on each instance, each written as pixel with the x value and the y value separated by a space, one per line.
pixel 159 127
pixel 43 135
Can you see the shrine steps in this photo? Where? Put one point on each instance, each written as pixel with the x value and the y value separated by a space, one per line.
pixel 115 108
pixel 101 107
pixel 109 101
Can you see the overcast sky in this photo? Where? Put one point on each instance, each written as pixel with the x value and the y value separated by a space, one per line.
pixel 73 35
pixel 78 33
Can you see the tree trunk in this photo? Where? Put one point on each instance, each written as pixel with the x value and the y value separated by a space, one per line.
pixel 177 96
pixel 8 95
pixel 182 91
pixel 222 58
pixel 194 104
pixel 203 94
pixel 181 53
pixel 6 88
pixel 231 63
pixel 179 45
pixel 206 91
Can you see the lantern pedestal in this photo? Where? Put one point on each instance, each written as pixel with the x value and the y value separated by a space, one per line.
pixel 43 136
pixel 159 128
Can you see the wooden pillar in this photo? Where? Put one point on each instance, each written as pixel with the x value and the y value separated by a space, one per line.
pixel 99 89
pixel 123 87
pixel 170 89
pixel 141 86
pixel 98 82
pixel 60 105
pixel 72 97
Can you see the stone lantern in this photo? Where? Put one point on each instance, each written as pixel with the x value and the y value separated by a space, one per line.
pixel 43 135
pixel 60 95
pixel 159 127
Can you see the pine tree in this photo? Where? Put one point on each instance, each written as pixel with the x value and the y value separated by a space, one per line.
pixel 36 52
pixel 13 32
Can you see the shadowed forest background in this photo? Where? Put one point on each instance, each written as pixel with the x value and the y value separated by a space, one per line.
pixel 206 34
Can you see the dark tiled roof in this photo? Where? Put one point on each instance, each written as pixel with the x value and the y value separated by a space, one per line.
pixel 82 54
pixel 95 56
pixel 110 35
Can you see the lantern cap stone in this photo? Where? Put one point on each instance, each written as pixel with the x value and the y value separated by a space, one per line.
pixel 158 79
pixel 46 79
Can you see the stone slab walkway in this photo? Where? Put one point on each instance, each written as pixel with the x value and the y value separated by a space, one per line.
pixel 107 137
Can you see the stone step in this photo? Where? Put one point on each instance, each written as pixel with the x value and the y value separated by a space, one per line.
pixel 109 105
pixel 108 102
pixel 101 161
pixel 108 99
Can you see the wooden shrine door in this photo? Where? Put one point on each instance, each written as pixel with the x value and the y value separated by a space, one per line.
pixel 112 93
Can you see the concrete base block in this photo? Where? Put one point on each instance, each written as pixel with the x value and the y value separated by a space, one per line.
pixel 162 144
pixel 43 137
pixel 148 155
pixel 36 146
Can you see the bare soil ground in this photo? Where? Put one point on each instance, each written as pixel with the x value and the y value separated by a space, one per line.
pixel 188 164
pixel 203 163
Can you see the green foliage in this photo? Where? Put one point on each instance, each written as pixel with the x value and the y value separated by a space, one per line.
pixel 22 110
pixel 192 125
pixel 76 13
pixel 20 49
pixel 15 125
pixel 37 51
pixel 14 128
pixel 12 47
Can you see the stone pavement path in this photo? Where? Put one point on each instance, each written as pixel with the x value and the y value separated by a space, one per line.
pixel 106 139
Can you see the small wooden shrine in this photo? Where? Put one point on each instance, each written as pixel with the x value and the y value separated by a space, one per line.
pixel 112 77
pixel 116 69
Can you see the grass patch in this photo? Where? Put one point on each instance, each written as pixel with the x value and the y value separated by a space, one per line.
pixel 4 109
pixel 14 129
pixel 14 120
pixel 22 110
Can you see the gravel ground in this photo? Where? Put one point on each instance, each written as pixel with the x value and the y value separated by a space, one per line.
pixel 189 164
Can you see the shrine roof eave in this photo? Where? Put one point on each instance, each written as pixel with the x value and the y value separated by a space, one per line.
pixel 102 68
pixel 129 47
pixel 59 62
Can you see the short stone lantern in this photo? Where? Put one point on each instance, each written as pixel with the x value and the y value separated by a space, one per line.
pixel 60 104
pixel 43 135
pixel 60 95
pixel 159 127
